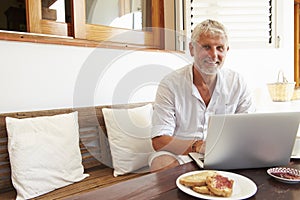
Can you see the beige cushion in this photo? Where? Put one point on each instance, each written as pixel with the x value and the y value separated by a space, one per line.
pixel 44 153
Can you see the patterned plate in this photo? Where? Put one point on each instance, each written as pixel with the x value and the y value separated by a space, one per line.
pixel 285 174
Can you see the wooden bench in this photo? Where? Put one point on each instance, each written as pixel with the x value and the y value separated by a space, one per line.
pixel 92 130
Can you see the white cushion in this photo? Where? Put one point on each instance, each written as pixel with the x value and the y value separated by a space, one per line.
pixel 44 153
pixel 129 138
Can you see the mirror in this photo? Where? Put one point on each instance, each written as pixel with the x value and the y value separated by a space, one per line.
pixel 128 14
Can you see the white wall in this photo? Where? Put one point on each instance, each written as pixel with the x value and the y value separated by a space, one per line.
pixel 261 66
pixel 40 76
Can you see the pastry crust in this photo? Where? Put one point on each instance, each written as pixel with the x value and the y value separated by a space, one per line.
pixel 198 179
pixel 202 190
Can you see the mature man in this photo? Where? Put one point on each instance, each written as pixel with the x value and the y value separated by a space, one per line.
pixel 186 98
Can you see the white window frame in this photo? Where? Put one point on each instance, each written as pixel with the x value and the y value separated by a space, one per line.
pixel 241 44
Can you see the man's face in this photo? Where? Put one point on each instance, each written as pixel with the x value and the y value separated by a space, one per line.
pixel 209 53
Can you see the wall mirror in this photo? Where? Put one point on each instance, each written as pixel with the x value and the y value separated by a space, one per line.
pixel 128 14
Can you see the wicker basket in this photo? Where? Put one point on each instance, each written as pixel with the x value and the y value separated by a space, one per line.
pixel 281 91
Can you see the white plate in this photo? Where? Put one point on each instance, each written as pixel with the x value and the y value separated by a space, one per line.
pixel 243 187
pixel 287 170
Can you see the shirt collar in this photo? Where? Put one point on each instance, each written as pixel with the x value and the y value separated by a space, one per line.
pixel 219 83
pixel 218 86
pixel 194 90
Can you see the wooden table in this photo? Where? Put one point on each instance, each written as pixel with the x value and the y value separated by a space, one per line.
pixel 162 186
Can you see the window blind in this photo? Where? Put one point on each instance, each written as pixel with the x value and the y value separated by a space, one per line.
pixel 249 22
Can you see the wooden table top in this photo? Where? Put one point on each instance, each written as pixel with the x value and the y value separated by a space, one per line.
pixel 162 185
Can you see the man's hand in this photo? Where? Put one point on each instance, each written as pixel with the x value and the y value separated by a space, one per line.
pixel 198 146
pixel 177 146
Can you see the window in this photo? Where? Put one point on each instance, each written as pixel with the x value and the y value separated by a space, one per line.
pixel 13 15
pixel 249 23
pixel 62 21
pixel 96 32
pixel 43 17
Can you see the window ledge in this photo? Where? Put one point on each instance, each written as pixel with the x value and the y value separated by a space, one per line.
pixel 64 40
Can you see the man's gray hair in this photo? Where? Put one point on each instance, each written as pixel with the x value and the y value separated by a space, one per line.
pixel 209 26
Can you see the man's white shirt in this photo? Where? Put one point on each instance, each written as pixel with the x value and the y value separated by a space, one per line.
pixel 180 111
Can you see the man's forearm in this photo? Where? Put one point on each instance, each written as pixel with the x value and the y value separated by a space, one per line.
pixel 173 145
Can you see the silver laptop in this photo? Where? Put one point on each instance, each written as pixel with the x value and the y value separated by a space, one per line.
pixel 256 140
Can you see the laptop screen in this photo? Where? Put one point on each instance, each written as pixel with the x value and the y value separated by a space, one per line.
pixel 253 140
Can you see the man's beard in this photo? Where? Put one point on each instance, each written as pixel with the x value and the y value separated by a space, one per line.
pixel 213 71
pixel 210 70
pixel 205 69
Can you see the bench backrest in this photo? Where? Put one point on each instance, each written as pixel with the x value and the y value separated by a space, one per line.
pixel 94 144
